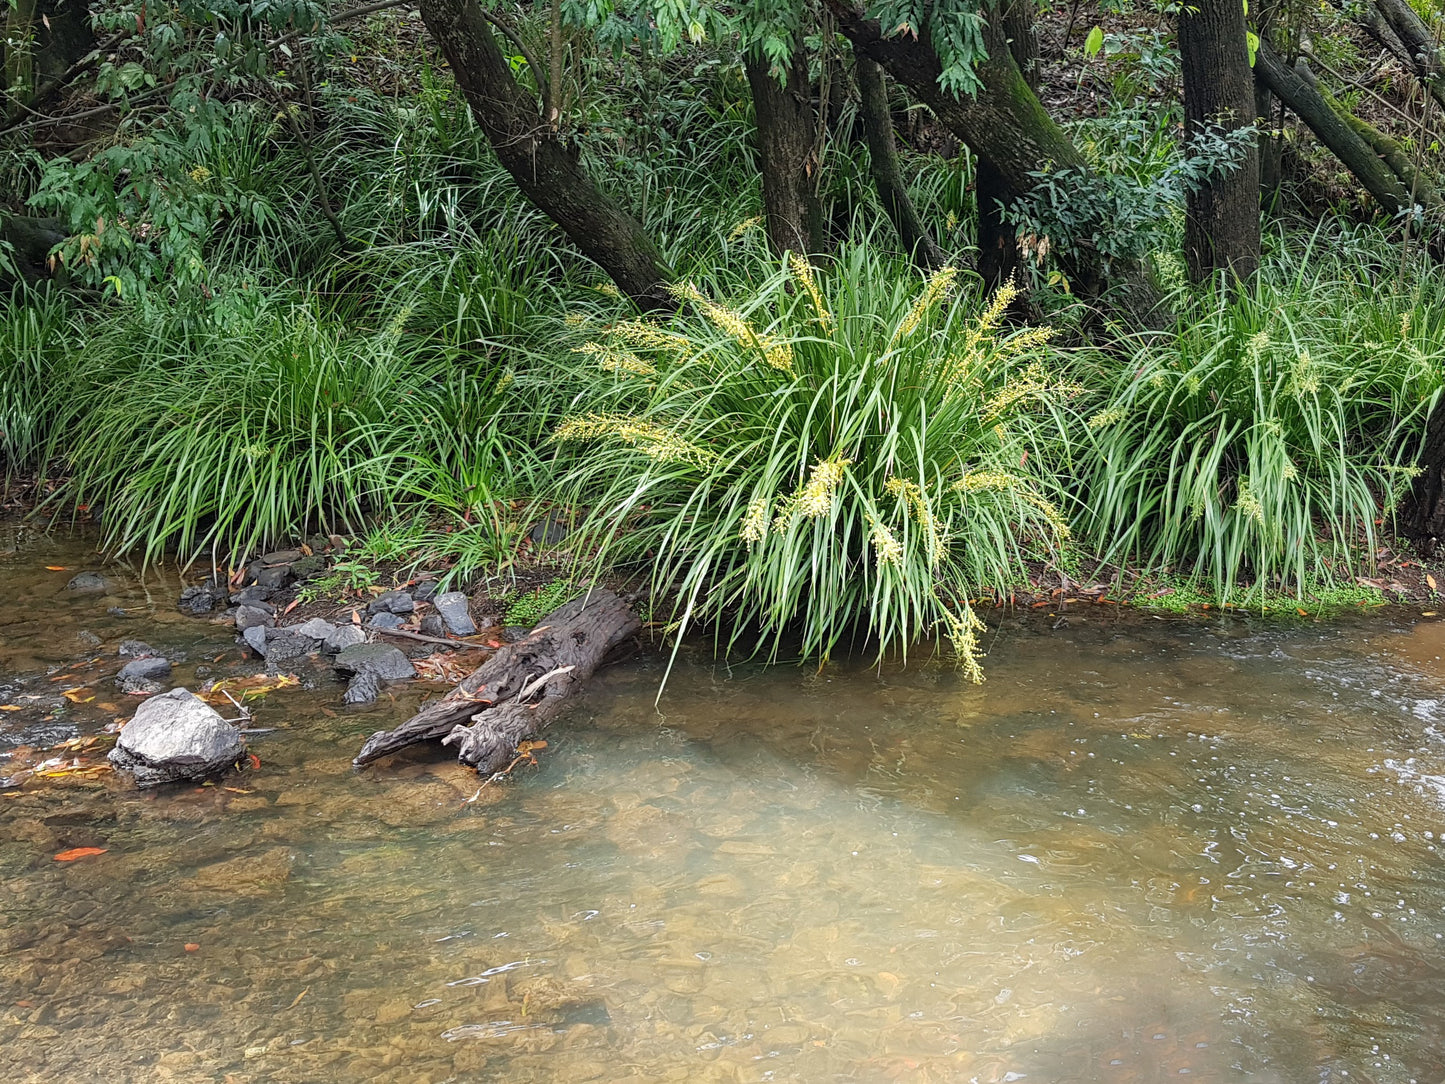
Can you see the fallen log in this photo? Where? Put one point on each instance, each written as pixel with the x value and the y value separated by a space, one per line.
pixel 519 689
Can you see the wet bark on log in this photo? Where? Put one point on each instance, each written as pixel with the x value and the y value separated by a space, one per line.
pixel 519 689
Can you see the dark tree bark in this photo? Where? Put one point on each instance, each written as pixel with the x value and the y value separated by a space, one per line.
pixel 519 689
pixel 1422 50
pixel 998 250
pixel 1007 126
pixel 1304 98
pixel 1271 146
pixel 887 175
pixel 787 135
pixel 545 169
pixel 31 240
pixel 1425 521
pixel 1221 225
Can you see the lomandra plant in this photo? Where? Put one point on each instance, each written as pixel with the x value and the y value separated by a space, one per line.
pixel 841 455
pixel 260 425
pixel 1266 441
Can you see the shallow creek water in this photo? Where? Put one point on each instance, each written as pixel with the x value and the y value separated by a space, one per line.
pixel 1144 850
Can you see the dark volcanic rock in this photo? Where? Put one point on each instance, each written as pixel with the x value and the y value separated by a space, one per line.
pixel 433 625
pixel 381 660
pixel 548 531
pixel 135 649
pixel 201 599
pixel 385 621
pixel 88 583
pixel 254 593
pixel 423 591
pixel 255 638
pixel 176 737
pixel 315 629
pixel 149 668
pixel 274 576
pixel 364 688
pixel 250 614
pixel 344 637
pixel 282 645
pixel 453 609
pixel 280 557
pixel 393 602
pixel 308 566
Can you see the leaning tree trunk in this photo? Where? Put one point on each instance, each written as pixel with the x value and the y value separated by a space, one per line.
pixel 519 689
pixel 998 250
pixel 787 136
pixel 1421 47
pixel 887 174
pixel 1006 126
pixel 1221 223
pixel 544 168
pixel 1300 95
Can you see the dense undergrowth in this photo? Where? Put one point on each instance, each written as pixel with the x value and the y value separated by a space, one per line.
pixel 842 453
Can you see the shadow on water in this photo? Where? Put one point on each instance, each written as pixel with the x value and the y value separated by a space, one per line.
pixel 1142 850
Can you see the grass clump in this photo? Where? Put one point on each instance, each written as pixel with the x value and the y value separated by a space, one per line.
pixel 1268 438
pixel 260 425
pixel 840 454
pixel 36 329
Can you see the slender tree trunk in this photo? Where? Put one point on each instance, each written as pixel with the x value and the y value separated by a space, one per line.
pixel 1006 126
pixel 883 160
pixel 1421 47
pixel 1425 522
pixel 543 167
pixel 1221 224
pixel 1271 147
pixel 998 250
pixel 787 132
pixel 1299 93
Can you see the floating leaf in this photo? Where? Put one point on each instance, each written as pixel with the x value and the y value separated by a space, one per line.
pixel 56 568
pixel 78 852
pixel 255 761
pixel 191 946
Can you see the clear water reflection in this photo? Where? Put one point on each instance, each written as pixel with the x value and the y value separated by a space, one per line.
pixel 1143 851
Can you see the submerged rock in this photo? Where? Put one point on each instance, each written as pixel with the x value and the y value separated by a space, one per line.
pixel 147 668
pixel 453 609
pixel 176 737
pixel 203 598
pixel 382 661
pixel 364 688
pixel 88 583
pixel 135 649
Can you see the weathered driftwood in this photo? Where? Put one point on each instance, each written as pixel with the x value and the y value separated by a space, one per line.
pixel 519 689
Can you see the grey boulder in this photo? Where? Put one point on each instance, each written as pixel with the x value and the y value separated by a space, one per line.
pixel 392 602
pixel 148 668
pixel 382 661
pixel 250 615
pixel 315 629
pixel 175 737
pixel 385 621
pixel 344 637
pixel 453 608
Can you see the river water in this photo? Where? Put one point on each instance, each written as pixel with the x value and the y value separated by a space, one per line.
pixel 1144 850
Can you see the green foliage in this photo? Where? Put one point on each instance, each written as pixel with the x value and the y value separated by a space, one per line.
pixel 342 581
pixel 262 423
pixel 1265 438
pixel 836 451
pixel 531 607
pixel 35 327
pixel 1126 212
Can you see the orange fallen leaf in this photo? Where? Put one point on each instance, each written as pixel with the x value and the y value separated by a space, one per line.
pixel 255 761
pixel 1302 611
pixel 293 604
pixel 1431 581
pixel 78 852
pixel 191 946
pixel 57 568
pixel 25 1004
pixel 9 707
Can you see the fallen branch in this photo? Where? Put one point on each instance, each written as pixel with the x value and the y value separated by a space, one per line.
pixel 519 689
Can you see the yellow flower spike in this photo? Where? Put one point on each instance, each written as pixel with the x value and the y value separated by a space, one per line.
pixel 886 547
pixel 803 273
pixel 816 497
pixel 778 354
pixel 652 440
pixel 743 227
pixel 934 290
pixel 912 495
pixel 962 631
pixel 621 362
pixel 755 521
pixel 647 336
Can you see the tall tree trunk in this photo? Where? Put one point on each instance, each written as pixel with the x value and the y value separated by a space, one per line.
pixel 1005 125
pixel 998 250
pixel 1299 93
pixel 1421 47
pixel 1425 521
pixel 543 167
pixel 787 134
pixel 1221 223
pixel 1271 146
pixel 887 175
